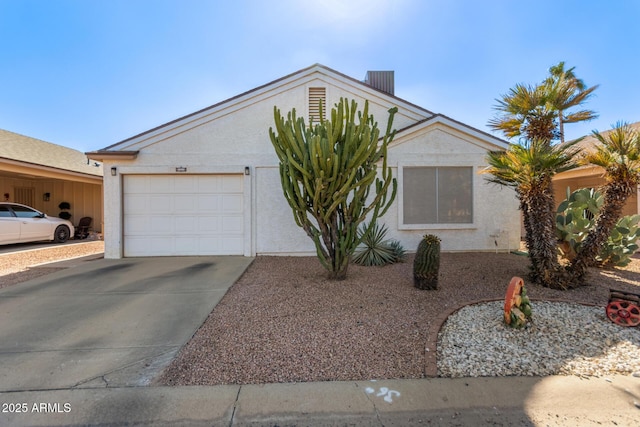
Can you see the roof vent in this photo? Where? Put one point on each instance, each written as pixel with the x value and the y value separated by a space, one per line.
pixel 381 80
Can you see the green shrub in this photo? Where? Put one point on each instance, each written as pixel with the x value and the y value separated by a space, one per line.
pixel 622 242
pixel 576 217
pixel 375 249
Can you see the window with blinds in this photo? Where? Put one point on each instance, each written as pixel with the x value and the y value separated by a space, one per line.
pixel 437 195
pixel 316 96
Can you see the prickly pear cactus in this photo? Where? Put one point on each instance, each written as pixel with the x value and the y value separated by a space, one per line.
pixel 517 306
pixel 427 263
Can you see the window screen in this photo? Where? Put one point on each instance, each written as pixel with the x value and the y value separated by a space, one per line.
pixel 437 195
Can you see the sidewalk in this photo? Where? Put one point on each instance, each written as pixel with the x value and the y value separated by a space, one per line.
pixel 522 401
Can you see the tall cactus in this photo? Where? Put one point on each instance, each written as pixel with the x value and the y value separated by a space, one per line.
pixel 426 264
pixel 327 169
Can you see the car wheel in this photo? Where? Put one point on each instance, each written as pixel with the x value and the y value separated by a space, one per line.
pixel 62 234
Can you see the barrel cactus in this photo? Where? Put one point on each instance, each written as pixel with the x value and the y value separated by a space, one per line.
pixel 427 263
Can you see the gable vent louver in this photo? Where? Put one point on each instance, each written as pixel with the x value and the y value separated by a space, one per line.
pixel 317 95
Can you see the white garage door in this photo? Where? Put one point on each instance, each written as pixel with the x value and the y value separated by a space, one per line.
pixel 167 215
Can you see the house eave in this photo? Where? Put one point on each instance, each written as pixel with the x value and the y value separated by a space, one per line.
pixel 112 155
pixel 41 171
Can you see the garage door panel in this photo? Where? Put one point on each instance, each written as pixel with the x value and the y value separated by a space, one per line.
pixel 209 202
pixel 230 184
pixel 158 204
pixel 232 203
pixel 168 215
pixel 147 246
pixel 187 245
pixel 159 184
pixel 136 225
pixel 210 225
pixel 232 244
pixel 136 203
pixel 232 224
pixel 138 186
pixel 185 204
pixel 185 225
pixel 186 184
pixel 209 184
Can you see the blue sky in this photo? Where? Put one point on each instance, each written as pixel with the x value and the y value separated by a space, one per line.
pixel 88 73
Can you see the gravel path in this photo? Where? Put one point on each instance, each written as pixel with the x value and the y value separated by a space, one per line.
pixel 284 322
pixel 16 267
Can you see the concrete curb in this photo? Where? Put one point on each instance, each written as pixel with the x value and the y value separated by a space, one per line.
pixel 437 401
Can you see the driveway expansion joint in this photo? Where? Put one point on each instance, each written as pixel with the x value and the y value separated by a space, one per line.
pixel 235 404
pixel 375 408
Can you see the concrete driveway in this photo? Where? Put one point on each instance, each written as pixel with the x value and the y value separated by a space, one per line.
pixel 107 323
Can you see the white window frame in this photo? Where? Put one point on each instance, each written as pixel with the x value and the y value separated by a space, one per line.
pixel 445 226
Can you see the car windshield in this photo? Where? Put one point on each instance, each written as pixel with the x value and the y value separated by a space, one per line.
pixel 25 212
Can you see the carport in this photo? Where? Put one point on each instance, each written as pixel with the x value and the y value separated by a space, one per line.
pixel 42 175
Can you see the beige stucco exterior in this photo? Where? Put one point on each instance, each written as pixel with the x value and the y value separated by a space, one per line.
pixel 232 138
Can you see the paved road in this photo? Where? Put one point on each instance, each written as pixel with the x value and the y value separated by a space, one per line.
pixel 107 322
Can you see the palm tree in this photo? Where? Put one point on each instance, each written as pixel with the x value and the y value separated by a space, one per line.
pixel 619 154
pixel 524 112
pixel 529 169
pixel 564 91
pixel 540 112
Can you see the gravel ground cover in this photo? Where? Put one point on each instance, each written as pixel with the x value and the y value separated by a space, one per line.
pixel 283 321
pixel 563 338
pixel 16 267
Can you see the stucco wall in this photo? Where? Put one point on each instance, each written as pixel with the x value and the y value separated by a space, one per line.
pixel 233 136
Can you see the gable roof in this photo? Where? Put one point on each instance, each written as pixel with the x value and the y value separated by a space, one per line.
pixel 492 142
pixel 24 149
pixel 424 115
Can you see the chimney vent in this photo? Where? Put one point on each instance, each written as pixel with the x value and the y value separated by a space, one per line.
pixel 381 80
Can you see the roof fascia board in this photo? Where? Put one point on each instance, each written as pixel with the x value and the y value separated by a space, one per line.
pixel 9 165
pixel 102 155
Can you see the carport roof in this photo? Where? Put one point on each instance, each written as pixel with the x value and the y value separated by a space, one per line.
pixel 36 152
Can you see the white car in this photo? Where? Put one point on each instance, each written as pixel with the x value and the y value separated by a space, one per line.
pixel 20 223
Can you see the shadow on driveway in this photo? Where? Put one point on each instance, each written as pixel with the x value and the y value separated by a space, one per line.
pixel 107 322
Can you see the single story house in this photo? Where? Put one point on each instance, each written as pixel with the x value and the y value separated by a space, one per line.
pixel 208 183
pixel 589 176
pixel 42 175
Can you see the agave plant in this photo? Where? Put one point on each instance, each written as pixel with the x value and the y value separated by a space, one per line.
pixel 375 249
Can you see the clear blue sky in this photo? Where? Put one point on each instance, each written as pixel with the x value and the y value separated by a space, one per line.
pixel 89 73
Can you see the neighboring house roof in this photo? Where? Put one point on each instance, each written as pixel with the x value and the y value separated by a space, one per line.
pixel 589 142
pixel 24 149
pixel 426 116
